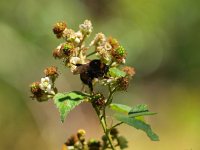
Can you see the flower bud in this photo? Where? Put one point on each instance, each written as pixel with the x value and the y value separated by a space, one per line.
pixel 81 135
pixel 72 140
pixel 94 144
pixel 114 132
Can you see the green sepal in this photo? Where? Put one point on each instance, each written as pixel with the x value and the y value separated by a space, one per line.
pixel 65 102
pixel 138 124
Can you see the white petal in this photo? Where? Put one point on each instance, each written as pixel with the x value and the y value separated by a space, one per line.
pixel 41 86
pixel 77 40
pixel 75 60
pixel 47 79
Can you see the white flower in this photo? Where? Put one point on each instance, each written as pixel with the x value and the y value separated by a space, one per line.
pixel 69 34
pixel 86 27
pixel 107 46
pixel 75 60
pixel 104 52
pixel 77 40
pixel 99 39
pixel 78 37
pixel 45 85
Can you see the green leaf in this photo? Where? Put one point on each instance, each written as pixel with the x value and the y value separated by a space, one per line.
pixel 123 143
pixel 138 124
pixel 68 101
pixel 140 110
pixel 115 72
pixel 120 108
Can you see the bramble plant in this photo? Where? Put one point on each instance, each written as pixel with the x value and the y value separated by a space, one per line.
pixel 106 69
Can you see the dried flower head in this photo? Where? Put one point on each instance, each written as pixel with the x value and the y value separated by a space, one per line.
pixel 51 71
pixel 35 90
pixel 130 71
pixel 123 83
pixel 57 53
pixel 113 42
pixel 59 28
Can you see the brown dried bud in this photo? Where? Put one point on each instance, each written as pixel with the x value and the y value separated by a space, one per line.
pixel 59 28
pixel 57 53
pixel 114 132
pixel 113 42
pixel 123 83
pixel 51 71
pixel 71 141
pixel 130 71
pixel 35 90
pixel 99 100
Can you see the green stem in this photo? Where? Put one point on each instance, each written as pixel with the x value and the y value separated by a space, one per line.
pixel 111 92
pixel 90 54
pixel 104 126
pixel 116 125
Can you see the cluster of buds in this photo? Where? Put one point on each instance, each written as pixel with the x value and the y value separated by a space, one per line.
pixel 119 141
pixel 45 89
pixel 78 142
pixel 73 52
pixel 120 83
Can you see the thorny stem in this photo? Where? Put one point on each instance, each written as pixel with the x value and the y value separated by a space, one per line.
pixel 104 126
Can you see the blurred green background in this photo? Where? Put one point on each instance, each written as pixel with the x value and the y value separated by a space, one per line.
pixel 163 43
